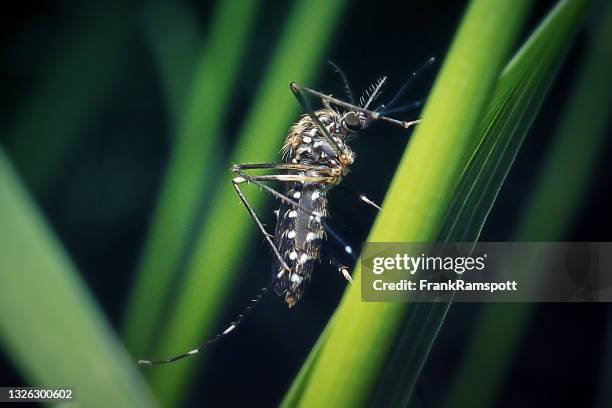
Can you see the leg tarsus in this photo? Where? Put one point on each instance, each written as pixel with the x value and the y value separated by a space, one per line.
pixel 343 269
pixel 366 200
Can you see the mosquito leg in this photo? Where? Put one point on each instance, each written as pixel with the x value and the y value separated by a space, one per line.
pixel 361 197
pixel 235 182
pixel 297 91
pixel 257 180
pixel 366 200
pixel 345 246
pixel 285 178
pixel 233 326
pixel 236 168
pixel 343 269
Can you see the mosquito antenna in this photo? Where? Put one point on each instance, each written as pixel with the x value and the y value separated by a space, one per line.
pixel 372 92
pixel 233 325
pixel 410 81
pixel 347 87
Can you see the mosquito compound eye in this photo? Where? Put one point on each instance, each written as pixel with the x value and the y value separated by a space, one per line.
pixel 352 121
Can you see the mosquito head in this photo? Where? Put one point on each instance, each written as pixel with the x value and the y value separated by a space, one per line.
pixel 354 121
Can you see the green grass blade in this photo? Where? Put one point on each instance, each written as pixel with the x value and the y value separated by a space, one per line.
pixel 190 171
pixel 361 334
pixel 549 212
pixel 212 267
pixel 515 103
pixel 50 326
pixel 520 92
pixel 69 93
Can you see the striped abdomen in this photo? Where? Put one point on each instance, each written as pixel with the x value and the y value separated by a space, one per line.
pixel 298 236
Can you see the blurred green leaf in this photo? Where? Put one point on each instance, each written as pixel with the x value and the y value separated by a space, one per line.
pixel 348 364
pixel 192 167
pixel 50 327
pixel 225 235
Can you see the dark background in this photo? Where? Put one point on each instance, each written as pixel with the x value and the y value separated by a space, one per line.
pixel 101 200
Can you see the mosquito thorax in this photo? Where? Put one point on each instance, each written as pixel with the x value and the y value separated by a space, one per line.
pixel 306 144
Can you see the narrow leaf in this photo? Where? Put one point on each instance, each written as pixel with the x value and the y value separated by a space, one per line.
pixel 49 325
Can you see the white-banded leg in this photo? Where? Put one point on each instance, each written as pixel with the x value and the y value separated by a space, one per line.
pixel 281 166
pixel 297 92
pixel 343 269
pixel 369 202
pixel 361 196
pixel 230 329
pixel 283 178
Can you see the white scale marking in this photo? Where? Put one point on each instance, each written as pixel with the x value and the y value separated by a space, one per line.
pixel 292 214
pixel 315 195
pixel 291 234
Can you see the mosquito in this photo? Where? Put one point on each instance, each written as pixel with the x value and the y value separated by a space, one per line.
pixel 316 156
